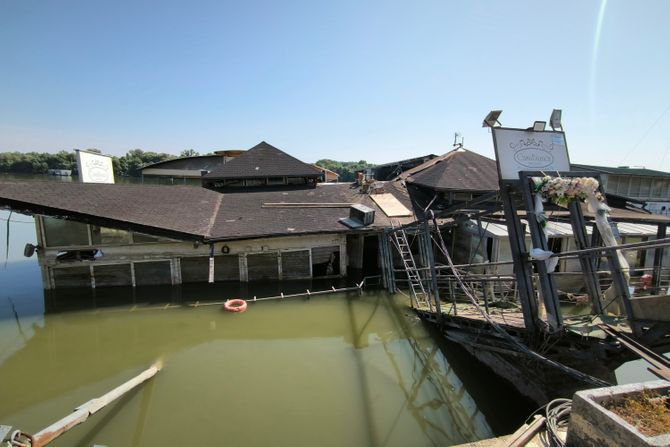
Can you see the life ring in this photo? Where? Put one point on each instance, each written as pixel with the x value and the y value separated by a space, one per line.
pixel 235 305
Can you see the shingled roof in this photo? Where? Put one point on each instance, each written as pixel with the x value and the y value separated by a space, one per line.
pixel 263 160
pixel 457 170
pixel 189 212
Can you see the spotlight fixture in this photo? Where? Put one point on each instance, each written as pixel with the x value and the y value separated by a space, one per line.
pixel 492 118
pixel 539 126
pixel 555 120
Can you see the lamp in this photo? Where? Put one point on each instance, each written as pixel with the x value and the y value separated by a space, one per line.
pixel 492 118
pixel 555 120
pixel 539 126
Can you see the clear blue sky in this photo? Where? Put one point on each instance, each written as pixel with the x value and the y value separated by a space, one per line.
pixel 346 79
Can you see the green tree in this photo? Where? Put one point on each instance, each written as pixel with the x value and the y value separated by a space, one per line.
pixel 189 153
pixel 346 169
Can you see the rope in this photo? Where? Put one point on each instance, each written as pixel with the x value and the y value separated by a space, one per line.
pixel 523 348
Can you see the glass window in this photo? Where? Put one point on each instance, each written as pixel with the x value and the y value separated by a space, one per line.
pixel 64 233
pixel 109 236
pixel 612 183
pixel 254 182
pixel 634 187
pixel 622 187
pixel 657 189
pixel 275 180
pixel 141 238
pixel 645 187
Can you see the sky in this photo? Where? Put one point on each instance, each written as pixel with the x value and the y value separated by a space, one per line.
pixel 346 80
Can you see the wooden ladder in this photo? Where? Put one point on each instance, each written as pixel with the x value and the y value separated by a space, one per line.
pixel 418 293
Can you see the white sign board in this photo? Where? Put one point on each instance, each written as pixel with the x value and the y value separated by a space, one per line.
pixel 94 168
pixel 528 150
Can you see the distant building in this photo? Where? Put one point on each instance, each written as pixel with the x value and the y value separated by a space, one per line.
pixel 388 171
pixel 186 170
pixel 329 176
pixel 637 183
pixel 261 166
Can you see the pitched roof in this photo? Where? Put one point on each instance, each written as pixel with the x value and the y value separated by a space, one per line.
pixel 177 210
pixel 190 212
pixel 263 160
pixel 457 170
pixel 623 170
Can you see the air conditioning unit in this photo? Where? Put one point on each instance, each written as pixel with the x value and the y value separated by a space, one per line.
pixel 361 213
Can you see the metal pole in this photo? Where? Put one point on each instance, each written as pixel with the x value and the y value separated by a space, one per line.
pixel 522 269
pixel 658 257
pixel 586 260
pixel 547 284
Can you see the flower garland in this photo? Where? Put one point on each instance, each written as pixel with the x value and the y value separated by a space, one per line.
pixel 562 190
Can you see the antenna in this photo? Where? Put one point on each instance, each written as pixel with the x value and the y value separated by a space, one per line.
pixel 458 143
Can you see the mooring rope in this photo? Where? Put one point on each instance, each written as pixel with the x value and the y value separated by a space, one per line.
pixel 523 348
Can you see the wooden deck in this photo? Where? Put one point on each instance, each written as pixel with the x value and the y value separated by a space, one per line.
pixel 512 318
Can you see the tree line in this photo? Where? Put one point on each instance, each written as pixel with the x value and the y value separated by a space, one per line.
pixel 346 169
pixel 128 165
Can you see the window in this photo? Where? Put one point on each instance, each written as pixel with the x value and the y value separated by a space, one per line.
pixel 262 266
pixel 153 273
pixel 295 264
pixel 645 187
pixel 254 182
pixel 109 236
pixel 634 187
pixel 64 233
pixel 275 180
pixel 622 187
pixel 141 238
pixel 326 261
pixel 657 188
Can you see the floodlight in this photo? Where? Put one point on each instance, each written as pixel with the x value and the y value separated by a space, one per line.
pixel 539 126
pixel 555 120
pixel 492 118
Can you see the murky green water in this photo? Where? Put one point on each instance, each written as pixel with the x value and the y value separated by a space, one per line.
pixel 336 370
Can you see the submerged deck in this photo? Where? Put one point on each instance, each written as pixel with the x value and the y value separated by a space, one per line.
pixel 512 319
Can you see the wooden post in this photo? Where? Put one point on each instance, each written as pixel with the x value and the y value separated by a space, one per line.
pixel 658 257
pixel 82 412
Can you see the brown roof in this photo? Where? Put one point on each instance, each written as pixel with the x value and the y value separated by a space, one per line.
pixel 190 212
pixel 263 160
pixel 457 170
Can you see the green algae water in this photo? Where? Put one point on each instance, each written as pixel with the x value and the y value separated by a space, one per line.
pixel 335 370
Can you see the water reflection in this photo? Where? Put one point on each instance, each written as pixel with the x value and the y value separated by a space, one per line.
pixel 334 370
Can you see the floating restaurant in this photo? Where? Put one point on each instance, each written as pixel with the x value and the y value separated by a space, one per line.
pixel 520 260
pixel 259 216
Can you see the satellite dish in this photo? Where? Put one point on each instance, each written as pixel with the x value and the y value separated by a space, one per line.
pixel 29 250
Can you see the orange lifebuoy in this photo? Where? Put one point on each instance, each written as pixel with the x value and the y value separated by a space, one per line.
pixel 235 305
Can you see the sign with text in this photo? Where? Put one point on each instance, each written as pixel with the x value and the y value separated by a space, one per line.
pixel 94 168
pixel 528 150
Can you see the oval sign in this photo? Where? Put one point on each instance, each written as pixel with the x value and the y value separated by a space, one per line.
pixel 533 158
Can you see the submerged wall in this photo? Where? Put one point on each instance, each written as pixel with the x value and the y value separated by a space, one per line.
pixel 74 254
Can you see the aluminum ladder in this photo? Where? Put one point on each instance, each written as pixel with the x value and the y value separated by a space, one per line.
pixel 419 296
